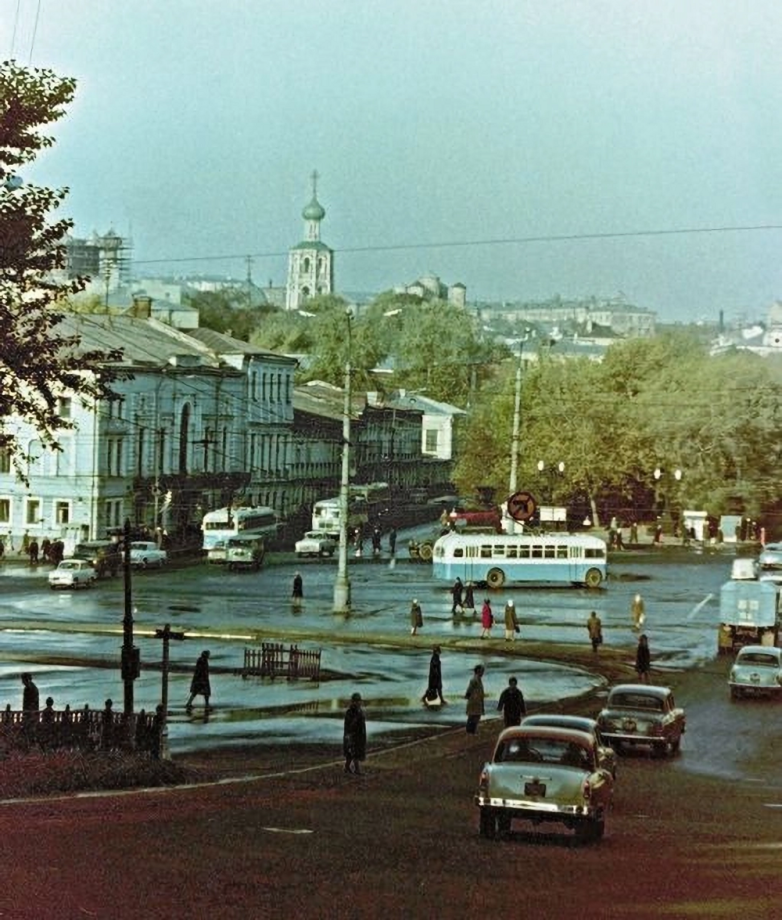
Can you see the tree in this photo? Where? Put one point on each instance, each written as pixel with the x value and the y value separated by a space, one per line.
pixel 36 365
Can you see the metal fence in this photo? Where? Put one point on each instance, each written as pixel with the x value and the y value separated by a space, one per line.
pixel 80 729
pixel 274 659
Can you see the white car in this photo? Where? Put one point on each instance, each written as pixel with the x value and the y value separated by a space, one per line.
pixel 756 670
pixel 73 573
pixel 144 554
pixel 314 543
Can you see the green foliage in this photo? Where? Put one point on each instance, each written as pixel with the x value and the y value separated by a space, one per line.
pixel 228 311
pixel 36 365
pixel 661 403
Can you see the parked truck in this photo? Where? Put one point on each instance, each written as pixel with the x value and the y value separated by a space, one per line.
pixel 749 614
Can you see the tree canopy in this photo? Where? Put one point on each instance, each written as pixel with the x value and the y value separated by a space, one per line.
pixel 661 404
pixel 36 365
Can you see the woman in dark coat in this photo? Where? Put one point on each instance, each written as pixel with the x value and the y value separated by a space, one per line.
pixel 434 691
pixel 354 736
pixel 200 686
pixel 643 659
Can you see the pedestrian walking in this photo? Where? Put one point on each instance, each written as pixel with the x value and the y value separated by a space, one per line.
pixel 643 659
pixel 469 598
pixel 511 703
pixel 475 697
pixel 32 551
pixel 434 689
pixel 457 594
pixel 511 622
pixel 200 686
pixel 297 591
pixel 392 541
pixel 416 617
pixel 354 735
pixel 637 612
pixel 487 619
pixel 595 629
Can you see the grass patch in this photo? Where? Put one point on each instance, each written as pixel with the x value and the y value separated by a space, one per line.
pixel 57 772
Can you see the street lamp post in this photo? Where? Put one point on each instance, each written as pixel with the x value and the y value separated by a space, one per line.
pixel 550 472
pixel 674 476
pixel 342 581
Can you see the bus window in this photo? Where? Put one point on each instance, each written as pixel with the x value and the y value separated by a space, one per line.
pixel 486 551
pixel 549 552
pixel 536 551
pixel 458 552
pixel 562 552
pixel 499 550
pixel 510 552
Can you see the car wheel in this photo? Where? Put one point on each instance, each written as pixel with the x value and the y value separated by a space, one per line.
pixel 495 578
pixel 487 824
pixel 661 749
pixel 425 552
pixel 593 578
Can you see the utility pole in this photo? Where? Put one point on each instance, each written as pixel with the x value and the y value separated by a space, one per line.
pixel 131 661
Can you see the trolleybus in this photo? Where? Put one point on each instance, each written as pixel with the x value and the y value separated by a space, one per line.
pixel 500 559
pixel 222 523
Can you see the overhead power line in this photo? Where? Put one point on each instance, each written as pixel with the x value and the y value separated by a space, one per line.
pixel 499 241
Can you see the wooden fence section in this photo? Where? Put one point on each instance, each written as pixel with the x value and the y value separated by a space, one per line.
pixel 81 729
pixel 273 659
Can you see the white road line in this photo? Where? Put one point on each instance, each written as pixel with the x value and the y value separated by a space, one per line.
pixel 698 607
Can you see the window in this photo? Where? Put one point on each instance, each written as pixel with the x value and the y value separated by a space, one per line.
pixel 562 552
pixel 62 512
pixel 430 440
pixel 64 407
pixel 32 511
pixel 536 551
pixel 5 510
pixel 5 460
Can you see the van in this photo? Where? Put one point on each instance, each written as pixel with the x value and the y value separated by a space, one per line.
pixel 244 552
pixel 105 556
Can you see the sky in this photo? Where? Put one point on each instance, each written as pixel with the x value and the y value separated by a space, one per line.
pixel 526 148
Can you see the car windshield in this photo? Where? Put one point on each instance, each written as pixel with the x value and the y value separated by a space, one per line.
pixel 68 565
pixel 544 750
pixel 637 701
pixel 764 659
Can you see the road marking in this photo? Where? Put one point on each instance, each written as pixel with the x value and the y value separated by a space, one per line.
pixel 288 830
pixel 698 607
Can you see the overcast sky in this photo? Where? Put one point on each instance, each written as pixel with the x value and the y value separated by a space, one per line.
pixel 470 133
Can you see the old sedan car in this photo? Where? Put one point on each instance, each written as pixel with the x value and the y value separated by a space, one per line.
pixel 543 774
pixel 144 554
pixel 606 755
pixel 756 670
pixel 72 573
pixel 315 543
pixel 642 714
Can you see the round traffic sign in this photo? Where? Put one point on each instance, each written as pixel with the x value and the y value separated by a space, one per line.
pixel 521 506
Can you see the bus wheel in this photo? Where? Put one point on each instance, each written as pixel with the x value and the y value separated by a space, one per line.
pixel 425 552
pixel 495 578
pixel 593 578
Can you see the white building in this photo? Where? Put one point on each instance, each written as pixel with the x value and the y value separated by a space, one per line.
pixel 196 424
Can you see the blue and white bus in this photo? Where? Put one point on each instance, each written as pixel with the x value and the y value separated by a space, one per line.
pixel 222 523
pixel 500 559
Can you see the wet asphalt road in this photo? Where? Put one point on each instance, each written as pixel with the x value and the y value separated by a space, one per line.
pixel 71 640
